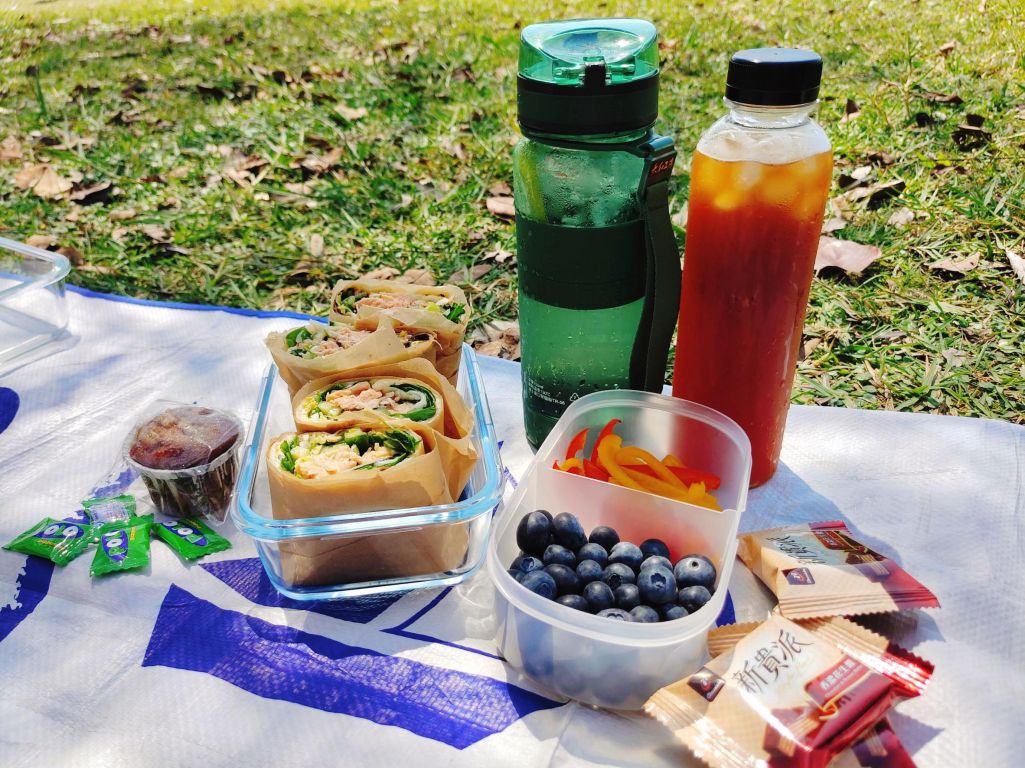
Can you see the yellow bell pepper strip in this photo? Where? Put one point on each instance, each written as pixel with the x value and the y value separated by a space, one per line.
pixel 656 486
pixel 671 461
pixel 605 432
pixel 607 448
pixel 576 445
pixel 567 465
pixel 686 475
pixel 633 455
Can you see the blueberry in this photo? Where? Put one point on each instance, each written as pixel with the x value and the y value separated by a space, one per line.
pixel 532 533
pixel 528 564
pixel 644 614
pixel 604 537
pixel 517 574
pixel 594 552
pixel 615 613
pixel 695 571
pixel 574 601
pixel 568 531
pixel 599 596
pixel 652 547
pixel 627 596
pixel 566 581
pixel 657 585
pixel 556 553
pixel 540 583
pixel 616 574
pixel 692 598
pixel 656 560
pixel 628 554
pixel 674 612
pixel 588 571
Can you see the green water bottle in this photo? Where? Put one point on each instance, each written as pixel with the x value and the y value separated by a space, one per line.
pixel 598 264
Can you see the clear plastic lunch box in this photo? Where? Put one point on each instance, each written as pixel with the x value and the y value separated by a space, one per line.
pixel 600 661
pixel 33 309
pixel 320 558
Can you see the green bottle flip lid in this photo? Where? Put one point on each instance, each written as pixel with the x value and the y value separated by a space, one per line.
pixel 588 76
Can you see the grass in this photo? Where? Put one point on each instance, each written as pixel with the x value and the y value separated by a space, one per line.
pixel 236 179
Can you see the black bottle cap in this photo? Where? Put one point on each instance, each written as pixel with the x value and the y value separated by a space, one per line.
pixel 774 77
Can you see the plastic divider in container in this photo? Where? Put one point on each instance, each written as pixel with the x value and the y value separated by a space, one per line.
pixel 593 659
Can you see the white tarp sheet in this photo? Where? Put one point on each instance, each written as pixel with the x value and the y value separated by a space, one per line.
pixel 205 665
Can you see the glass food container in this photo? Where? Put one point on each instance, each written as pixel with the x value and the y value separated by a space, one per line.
pixel 320 558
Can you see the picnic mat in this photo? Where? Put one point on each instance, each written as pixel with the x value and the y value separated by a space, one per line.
pixel 205 664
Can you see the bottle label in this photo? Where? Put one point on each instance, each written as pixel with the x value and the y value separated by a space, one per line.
pixel 581 267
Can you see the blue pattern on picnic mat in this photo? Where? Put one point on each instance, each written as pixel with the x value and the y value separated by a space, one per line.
pixel 9 402
pixel 247 577
pixel 287 664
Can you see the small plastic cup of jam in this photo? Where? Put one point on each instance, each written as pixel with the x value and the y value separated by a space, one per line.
pixel 188 457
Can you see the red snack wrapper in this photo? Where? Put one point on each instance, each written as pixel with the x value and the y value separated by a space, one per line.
pixel 819 569
pixel 879 748
pixel 782 693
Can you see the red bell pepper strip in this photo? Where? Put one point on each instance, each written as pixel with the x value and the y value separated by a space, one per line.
pixel 594 471
pixel 605 432
pixel 686 475
pixel 576 445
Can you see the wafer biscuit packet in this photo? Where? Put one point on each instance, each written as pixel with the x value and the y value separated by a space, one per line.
pixel 819 569
pixel 783 693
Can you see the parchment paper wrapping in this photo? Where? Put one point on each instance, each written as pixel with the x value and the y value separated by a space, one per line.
pixel 381 347
pixel 435 477
pixel 449 334
pixel 453 419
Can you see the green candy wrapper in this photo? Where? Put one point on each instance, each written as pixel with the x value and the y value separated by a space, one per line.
pixel 190 538
pixel 110 509
pixel 56 540
pixel 122 545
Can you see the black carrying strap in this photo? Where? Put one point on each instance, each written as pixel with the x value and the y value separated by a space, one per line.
pixel 662 280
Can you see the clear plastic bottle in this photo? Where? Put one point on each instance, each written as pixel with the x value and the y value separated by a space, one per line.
pixel 759 182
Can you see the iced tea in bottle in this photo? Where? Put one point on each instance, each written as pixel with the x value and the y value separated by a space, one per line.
pixel 759 182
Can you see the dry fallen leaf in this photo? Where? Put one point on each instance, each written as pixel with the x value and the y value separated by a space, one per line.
pixel 955 358
pixel 835 224
pixel 500 187
pixel 316 245
pixel 454 148
pixel 10 149
pixel 351 114
pixel 72 254
pixel 1017 264
pixel 499 255
pixel 504 340
pixel 960 266
pixel 41 241
pixel 941 98
pixel 850 111
pixel 97 193
pixel 877 194
pixel 98 269
pixel 156 233
pixel 51 184
pixel 417 277
pixel 852 258
pixel 502 205
pixel 382 273
pixel 946 48
pixel 901 218
pixel 124 214
pixel 321 163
